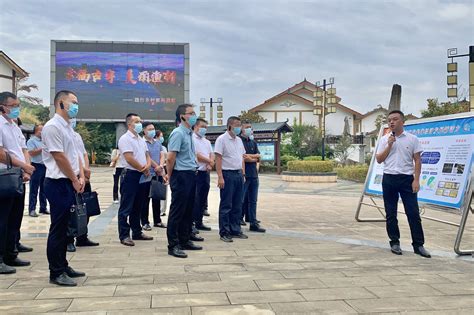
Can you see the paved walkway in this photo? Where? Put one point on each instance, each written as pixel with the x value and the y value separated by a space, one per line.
pixel 314 259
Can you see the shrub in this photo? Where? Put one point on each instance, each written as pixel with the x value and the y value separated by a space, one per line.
pixel 313 158
pixel 270 168
pixel 311 166
pixel 286 158
pixel 356 173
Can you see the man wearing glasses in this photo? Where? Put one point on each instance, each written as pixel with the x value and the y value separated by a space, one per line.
pixel 181 167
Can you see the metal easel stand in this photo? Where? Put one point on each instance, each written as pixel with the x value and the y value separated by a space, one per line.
pixel 374 204
pixel 462 225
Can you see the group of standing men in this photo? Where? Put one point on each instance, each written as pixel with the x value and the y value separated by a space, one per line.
pixel 58 169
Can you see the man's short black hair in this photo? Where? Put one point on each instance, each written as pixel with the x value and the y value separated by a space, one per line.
pixel 247 122
pixel 199 121
pixel 60 94
pixel 6 95
pixel 146 124
pixel 36 127
pixel 231 120
pixel 396 111
pixel 129 117
pixel 181 110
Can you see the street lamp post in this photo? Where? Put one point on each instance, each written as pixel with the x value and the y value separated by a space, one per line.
pixel 323 104
pixel 452 79
pixel 211 102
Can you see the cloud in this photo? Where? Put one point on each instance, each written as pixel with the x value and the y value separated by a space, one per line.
pixel 248 51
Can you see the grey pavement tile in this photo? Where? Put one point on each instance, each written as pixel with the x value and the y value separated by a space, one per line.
pixel 34 306
pixel 296 274
pixel 415 279
pixel 412 290
pixel 109 303
pixel 329 265
pixel 336 294
pixel 345 282
pixel 155 311
pixel 76 292
pixel 76 313
pixel 373 271
pixel 437 269
pixel 264 297
pixel 273 266
pixel 157 270
pixel 18 294
pixel 150 289
pixel 250 275
pixel 389 305
pixel 214 253
pixel 289 284
pixel 92 281
pixel 186 277
pixel 222 286
pixel 295 259
pixel 321 307
pixel 456 277
pixel 443 312
pixel 109 272
pixel 240 259
pixel 455 288
pixel 40 283
pixel 262 252
pixel 6 283
pixel 215 268
pixel 248 309
pixel 199 299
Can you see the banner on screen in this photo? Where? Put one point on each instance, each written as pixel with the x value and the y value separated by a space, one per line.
pixel 447 160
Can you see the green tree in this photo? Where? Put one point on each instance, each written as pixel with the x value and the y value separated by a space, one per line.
pixel 305 140
pixel 252 117
pixel 435 108
pixel 23 89
pixel 380 120
pixel 33 114
pixel 343 149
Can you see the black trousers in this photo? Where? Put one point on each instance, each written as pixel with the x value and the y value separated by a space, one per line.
pixel 60 194
pixel 37 183
pixel 230 207
pixel 203 184
pixel 133 195
pixel 155 206
pixel 183 190
pixel 11 216
pixel 400 185
pixel 118 172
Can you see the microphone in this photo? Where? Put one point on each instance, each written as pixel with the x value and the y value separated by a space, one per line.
pixel 393 135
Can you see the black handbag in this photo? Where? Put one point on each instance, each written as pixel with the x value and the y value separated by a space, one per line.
pixel 157 190
pixel 92 203
pixel 11 180
pixel 78 218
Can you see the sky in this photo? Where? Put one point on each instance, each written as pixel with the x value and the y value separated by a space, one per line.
pixel 248 51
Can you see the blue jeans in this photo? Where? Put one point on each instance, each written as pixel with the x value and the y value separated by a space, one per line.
pixel 132 197
pixel 36 183
pixel 249 207
pixel 230 207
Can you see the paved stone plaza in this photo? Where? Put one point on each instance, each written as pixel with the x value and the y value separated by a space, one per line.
pixel 315 258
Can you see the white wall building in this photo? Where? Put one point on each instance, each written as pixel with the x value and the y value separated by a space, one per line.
pixel 9 73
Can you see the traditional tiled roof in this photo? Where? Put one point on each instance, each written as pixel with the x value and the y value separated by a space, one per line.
pixel 257 128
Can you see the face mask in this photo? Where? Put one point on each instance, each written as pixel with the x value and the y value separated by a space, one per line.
pixel 138 127
pixel 237 130
pixel 162 139
pixel 73 109
pixel 14 113
pixel 73 123
pixel 193 120
pixel 251 137
pixel 202 132
pixel 248 131
pixel 151 133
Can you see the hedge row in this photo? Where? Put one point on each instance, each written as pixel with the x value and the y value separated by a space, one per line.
pixel 311 166
pixel 356 173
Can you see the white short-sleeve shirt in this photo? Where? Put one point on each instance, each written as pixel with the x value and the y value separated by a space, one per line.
pixel 80 147
pixel 400 158
pixel 232 151
pixel 12 140
pixel 203 147
pixel 135 144
pixel 58 136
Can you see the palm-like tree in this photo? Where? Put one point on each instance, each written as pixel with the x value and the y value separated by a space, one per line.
pixel 22 89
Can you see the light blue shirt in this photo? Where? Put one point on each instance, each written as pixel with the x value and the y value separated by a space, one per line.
pixel 154 149
pixel 32 144
pixel 181 142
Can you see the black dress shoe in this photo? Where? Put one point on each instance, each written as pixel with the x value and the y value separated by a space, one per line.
pixel 396 249
pixel 73 273
pixel 127 242
pixel 420 250
pixel 256 228
pixel 190 246
pixel 143 237
pixel 5 269
pixel 63 280
pixel 17 262
pixel 71 247
pixel 202 227
pixel 33 214
pixel 240 235
pixel 196 238
pixel 226 238
pixel 194 230
pixel 86 242
pixel 206 213
pixel 242 222
pixel 177 252
pixel 23 249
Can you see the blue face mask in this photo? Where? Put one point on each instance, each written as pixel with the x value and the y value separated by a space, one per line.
pixel 192 120
pixel 202 132
pixel 73 123
pixel 138 127
pixel 162 139
pixel 248 131
pixel 251 137
pixel 151 133
pixel 73 110
pixel 14 113
pixel 237 130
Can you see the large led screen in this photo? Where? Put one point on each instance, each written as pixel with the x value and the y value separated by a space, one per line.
pixel 109 85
